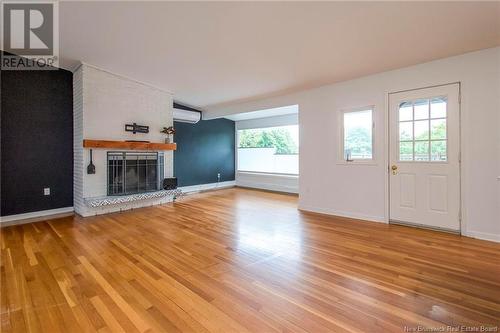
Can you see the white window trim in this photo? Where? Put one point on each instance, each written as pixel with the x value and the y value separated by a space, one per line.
pixel 340 157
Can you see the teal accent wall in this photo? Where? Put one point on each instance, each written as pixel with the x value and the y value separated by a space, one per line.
pixel 203 150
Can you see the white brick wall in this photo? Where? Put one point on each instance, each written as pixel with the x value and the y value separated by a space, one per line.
pixel 78 203
pixel 103 104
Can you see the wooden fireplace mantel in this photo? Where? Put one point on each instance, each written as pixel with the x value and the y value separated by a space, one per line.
pixel 130 145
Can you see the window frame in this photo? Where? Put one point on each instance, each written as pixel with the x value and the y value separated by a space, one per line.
pixel 340 158
pixel 236 156
pixel 430 140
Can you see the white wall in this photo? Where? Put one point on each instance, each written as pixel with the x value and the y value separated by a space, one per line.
pixel 103 104
pixel 280 183
pixel 361 190
pixel 268 181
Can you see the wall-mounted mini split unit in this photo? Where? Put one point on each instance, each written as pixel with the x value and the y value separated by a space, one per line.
pixel 186 116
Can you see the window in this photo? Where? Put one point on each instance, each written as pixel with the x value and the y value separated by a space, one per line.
pixel 357 135
pixel 422 130
pixel 269 150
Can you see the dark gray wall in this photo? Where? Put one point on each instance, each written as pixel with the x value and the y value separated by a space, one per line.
pixel 203 150
pixel 36 140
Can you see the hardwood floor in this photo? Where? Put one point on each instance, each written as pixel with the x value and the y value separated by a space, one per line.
pixel 240 260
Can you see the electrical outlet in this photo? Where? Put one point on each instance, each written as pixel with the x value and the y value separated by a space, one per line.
pixel 218 177
pixel 46 191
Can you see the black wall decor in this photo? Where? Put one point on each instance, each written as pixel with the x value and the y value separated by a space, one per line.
pixel 204 150
pixel 36 140
pixel 134 128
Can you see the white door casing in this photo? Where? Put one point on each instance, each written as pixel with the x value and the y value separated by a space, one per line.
pixel 424 153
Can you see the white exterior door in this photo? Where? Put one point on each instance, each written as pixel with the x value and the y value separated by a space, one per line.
pixel 424 169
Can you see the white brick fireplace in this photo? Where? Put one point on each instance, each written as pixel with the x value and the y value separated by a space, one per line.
pixel 102 104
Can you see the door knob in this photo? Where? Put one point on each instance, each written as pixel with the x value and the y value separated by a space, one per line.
pixel 394 169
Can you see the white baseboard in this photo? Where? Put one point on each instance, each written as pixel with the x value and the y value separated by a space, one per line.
pixel 33 216
pixel 357 216
pixel 206 187
pixel 483 235
pixel 473 234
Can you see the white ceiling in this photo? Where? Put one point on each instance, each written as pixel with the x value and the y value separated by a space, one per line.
pixel 210 53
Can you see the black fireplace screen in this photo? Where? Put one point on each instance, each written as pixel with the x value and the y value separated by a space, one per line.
pixel 134 172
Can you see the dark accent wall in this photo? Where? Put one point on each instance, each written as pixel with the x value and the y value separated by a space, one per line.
pixel 36 140
pixel 203 150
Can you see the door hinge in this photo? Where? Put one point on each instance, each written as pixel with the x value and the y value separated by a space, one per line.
pixel 459 157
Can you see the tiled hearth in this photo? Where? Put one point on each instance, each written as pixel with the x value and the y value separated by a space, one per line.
pixel 115 200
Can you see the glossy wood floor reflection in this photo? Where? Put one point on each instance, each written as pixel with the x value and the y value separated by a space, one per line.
pixel 240 260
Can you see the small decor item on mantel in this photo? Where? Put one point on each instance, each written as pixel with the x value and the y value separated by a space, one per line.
pixel 168 131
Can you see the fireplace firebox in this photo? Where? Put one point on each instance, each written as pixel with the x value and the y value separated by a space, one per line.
pixel 134 172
